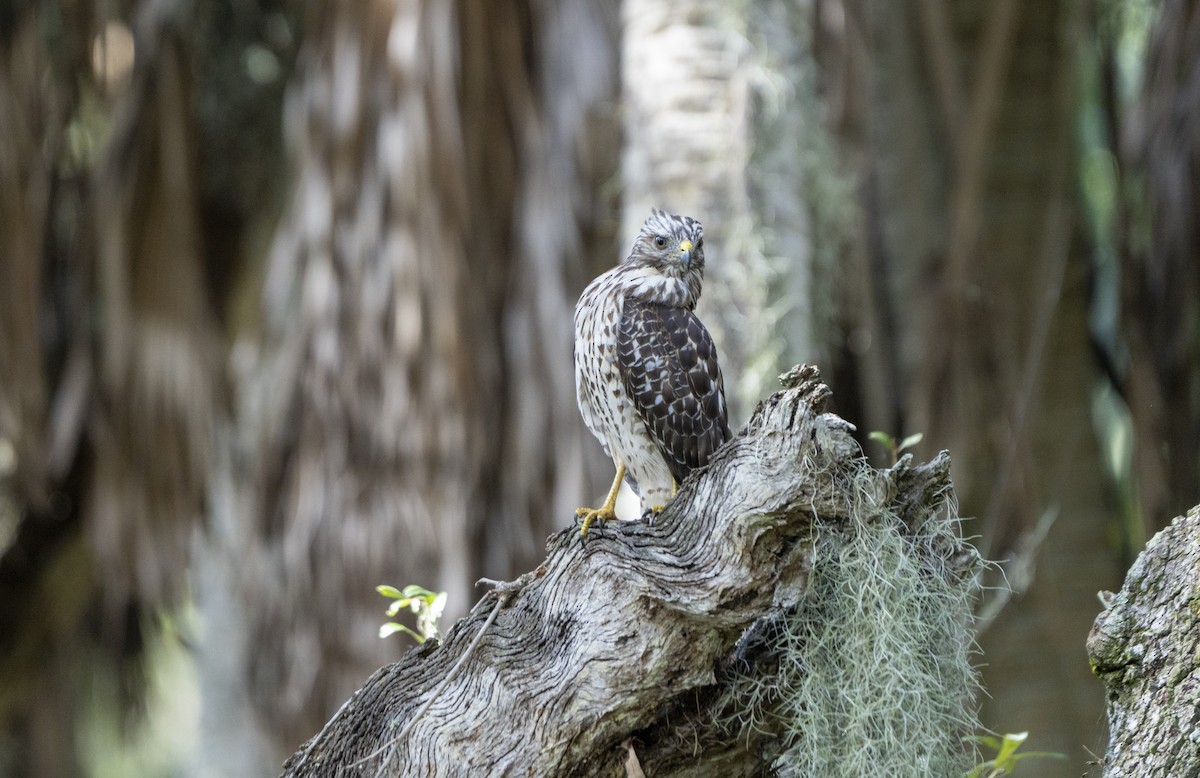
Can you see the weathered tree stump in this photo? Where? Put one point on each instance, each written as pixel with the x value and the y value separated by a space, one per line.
pixel 1145 646
pixel 672 646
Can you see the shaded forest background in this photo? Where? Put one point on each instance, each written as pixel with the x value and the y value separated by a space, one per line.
pixel 286 291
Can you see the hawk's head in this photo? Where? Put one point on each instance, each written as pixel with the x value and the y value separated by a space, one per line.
pixel 674 245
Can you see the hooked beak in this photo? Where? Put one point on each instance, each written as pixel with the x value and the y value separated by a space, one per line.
pixel 685 253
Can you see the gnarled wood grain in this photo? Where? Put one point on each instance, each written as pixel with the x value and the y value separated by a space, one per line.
pixel 1145 646
pixel 629 634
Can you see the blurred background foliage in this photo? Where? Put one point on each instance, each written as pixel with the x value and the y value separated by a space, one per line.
pixel 287 286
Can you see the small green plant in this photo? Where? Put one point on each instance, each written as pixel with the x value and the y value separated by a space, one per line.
pixel 1006 757
pixel 892 446
pixel 425 604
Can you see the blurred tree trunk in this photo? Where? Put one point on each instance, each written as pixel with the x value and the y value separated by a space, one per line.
pixel 975 332
pixel 717 103
pixel 39 531
pixel 110 361
pixel 399 402
pixel 1160 150
pixel 405 405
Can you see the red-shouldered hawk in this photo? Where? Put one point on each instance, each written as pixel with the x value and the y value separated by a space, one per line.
pixel 646 372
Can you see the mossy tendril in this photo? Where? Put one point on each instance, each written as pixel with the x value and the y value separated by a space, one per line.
pixel 870 672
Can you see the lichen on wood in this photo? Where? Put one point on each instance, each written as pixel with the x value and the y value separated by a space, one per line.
pixel 645 640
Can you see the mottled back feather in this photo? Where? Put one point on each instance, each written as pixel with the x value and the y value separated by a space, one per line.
pixel 668 364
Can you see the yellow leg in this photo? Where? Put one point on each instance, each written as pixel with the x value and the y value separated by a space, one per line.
pixel 606 511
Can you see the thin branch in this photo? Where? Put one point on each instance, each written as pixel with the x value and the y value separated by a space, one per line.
pixel 944 63
pixel 1018 572
pixel 968 184
pixel 1055 252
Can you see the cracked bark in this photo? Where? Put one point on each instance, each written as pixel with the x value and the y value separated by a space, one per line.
pixel 626 641
pixel 1145 647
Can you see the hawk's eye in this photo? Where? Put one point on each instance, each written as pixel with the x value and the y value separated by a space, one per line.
pixel 660 241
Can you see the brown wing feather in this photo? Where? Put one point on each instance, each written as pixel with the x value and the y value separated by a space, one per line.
pixel 669 367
